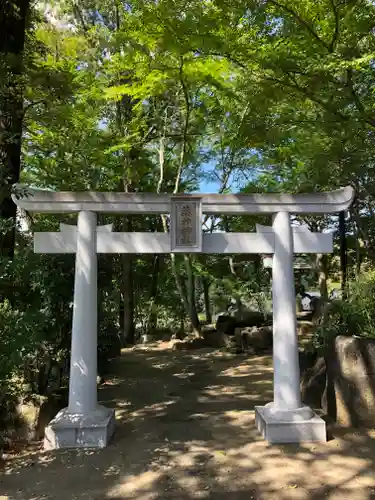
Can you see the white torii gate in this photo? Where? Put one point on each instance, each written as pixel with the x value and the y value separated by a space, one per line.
pixel 85 423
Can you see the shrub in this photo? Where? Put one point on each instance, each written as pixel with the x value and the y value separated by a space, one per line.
pixel 352 316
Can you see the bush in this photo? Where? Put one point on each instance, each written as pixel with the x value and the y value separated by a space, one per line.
pixel 12 347
pixel 352 316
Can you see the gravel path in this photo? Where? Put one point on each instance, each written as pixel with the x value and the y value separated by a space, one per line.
pixel 186 431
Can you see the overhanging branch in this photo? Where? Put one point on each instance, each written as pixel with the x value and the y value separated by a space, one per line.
pixel 301 21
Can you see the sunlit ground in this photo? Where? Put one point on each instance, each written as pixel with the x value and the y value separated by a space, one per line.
pixel 186 431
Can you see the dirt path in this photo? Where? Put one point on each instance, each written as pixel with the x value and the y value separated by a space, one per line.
pixel 186 431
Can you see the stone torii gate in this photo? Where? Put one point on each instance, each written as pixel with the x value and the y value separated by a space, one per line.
pixel 84 423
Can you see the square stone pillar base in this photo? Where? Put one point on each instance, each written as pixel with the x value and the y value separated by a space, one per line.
pixel 69 430
pixel 292 431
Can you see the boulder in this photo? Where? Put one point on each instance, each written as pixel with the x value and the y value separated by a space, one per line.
pixel 350 393
pixel 189 344
pixel 147 338
pixel 110 346
pixel 28 419
pixel 161 334
pixel 216 339
pixel 307 360
pixel 313 380
pixel 342 384
pixel 226 324
pixel 304 315
pixel 243 318
pixel 9 419
pixel 242 345
pixel 179 335
pixel 252 318
pixel 49 409
pixel 254 338
pixel 103 363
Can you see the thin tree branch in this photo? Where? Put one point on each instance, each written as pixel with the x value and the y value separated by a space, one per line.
pixel 301 21
pixel 185 129
pixel 358 104
pixel 117 12
pixel 224 55
pixel 162 153
pixel 336 33
pixel 32 104
pixel 77 11
pixel 312 97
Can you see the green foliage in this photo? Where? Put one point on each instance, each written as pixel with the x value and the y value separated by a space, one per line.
pixel 13 344
pixel 36 321
pixel 352 316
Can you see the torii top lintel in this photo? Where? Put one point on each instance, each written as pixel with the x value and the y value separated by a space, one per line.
pixel 36 200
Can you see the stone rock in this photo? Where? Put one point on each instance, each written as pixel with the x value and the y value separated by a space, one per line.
pixel 241 345
pixel 49 409
pixel 307 360
pixel 189 345
pixel 226 324
pixel 350 393
pixel 231 345
pixel 216 339
pixel 108 348
pixel 209 331
pixel 254 338
pixel 31 417
pixel 114 349
pixel 342 384
pixel 304 315
pixel 103 364
pixel 252 318
pixel 10 420
pixel 110 345
pixel 313 380
pixel 162 334
pixel 243 318
pixel 147 338
pixel 178 336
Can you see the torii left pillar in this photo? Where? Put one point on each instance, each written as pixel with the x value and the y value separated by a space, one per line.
pixel 84 424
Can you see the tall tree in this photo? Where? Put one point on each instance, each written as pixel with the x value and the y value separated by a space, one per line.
pixel 13 22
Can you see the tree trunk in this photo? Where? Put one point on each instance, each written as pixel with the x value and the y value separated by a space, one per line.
pixel 358 255
pixel 151 322
pixel 207 304
pixel 181 330
pixel 343 254
pixel 179 285
pixel 43 376
pixel 127 288
pixel 194 319
pixel 13 15
pixel 128 300
pixel 359 243
pixel 322 266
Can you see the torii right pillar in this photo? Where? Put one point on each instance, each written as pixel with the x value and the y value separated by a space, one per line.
pixel 286 419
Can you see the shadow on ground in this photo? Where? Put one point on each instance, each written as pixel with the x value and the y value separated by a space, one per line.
pixel 186 431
